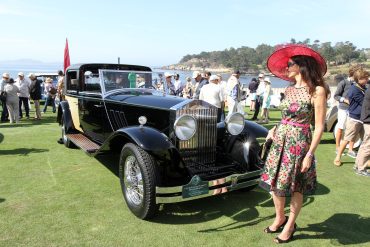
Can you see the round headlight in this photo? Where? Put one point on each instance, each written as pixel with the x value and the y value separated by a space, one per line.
pixel 185 127
pixel 235 123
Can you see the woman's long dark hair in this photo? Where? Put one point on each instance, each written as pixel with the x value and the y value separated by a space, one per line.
pixel 311 73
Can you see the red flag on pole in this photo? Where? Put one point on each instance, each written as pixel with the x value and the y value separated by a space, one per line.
pixel 67 61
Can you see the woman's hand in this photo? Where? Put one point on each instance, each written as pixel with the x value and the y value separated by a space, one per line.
pixel 270 135
pixel 306 164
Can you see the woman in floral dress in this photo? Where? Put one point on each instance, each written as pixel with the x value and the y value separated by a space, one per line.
pixel 290 168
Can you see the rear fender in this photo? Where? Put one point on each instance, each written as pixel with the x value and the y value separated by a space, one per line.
pixel 64 115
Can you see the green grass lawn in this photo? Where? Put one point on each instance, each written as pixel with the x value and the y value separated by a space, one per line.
pixel 54 196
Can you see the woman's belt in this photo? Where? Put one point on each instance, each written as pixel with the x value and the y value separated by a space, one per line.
pixel 284 121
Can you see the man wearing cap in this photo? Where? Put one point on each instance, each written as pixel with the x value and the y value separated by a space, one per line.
pixel 199 83
pixel 213 94
pixel 169 88
pixel 4 113
pixel 259 95
pixel 233 92
pixel 24 87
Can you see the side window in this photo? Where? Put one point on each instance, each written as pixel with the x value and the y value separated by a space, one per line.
pixel 72 81
pixel 92 82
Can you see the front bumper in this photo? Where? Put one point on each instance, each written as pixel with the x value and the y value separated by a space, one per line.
pixel 197 188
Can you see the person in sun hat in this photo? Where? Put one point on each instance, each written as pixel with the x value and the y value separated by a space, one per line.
pixel 213 94
pixel 169 88
pixel 12 100
pixel 290 168
pixel 199 83
pixel 24 87
pixel 50 93
pixel 266 101
pixel 233 92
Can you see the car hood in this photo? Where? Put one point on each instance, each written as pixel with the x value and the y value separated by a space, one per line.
pixel 146 99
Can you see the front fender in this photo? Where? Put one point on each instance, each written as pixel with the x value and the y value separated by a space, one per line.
pixel 169 163
pixel 254 129
pixel 147 138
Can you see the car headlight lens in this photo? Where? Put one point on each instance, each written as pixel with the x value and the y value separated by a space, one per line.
pixel 185 127
pixel 235 123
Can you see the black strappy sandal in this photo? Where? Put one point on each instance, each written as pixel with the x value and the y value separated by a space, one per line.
pixel 268 230
pixel 278 240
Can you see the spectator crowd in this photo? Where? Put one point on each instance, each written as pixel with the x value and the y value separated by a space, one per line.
pixel 17 93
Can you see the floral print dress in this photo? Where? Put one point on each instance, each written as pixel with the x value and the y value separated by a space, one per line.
pixel 290 144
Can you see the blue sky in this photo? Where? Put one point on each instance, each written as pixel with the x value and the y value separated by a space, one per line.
pixel 162 32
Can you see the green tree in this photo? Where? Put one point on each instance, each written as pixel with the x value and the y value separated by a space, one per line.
pixel 327 51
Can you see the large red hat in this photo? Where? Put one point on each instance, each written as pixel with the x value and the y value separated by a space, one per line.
pixel 277 62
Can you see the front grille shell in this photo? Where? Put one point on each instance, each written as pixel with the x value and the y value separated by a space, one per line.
pixel 199 153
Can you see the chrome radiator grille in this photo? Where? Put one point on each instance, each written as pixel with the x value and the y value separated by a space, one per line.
pixel 200 150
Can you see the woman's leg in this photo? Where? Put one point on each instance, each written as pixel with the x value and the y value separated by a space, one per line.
pixel 295 207
pixel 10 111
pixel 16 110
pixel 37 109
pixel 279 203
pixel 46 103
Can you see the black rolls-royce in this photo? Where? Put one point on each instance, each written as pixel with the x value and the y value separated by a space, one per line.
pixel 171 149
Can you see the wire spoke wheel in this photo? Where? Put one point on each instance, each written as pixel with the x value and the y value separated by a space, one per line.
pixel 133 181
pixel 138 177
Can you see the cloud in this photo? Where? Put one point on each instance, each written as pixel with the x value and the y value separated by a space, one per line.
pixel 12 11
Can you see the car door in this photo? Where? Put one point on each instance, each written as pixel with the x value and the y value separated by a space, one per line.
pixel 92 111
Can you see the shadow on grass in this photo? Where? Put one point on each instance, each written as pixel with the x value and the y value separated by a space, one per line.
pixel 110 161
pixel 241 206
pixel 31 122
pixel 1 138
pixel 238 205
pixel 327 141
pixel 22 151
pixel 341 228
pixel 2 200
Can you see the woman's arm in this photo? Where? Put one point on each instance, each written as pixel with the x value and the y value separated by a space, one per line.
pixel 319 102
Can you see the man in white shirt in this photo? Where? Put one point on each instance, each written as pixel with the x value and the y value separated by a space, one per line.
pixel 24 87
pixel 233 92
pixel 178 85
pixel 213 94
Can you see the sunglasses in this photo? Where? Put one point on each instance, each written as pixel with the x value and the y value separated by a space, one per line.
pixel 290 64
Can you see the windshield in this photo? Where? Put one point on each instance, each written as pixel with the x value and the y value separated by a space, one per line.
pixel 120 79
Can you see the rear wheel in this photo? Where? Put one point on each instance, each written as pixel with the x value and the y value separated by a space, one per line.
pixel 138 181
pixel 66 141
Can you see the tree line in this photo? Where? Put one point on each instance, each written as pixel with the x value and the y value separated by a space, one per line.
pixel 251 59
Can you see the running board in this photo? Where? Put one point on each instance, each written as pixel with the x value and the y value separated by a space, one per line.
pixel 84 143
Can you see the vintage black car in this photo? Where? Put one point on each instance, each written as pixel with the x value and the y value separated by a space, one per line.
pixel 171 149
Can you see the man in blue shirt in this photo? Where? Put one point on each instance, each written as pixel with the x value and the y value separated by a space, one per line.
pixel 356 94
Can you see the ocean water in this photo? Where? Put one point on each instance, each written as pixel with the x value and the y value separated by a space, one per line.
pixel 244 79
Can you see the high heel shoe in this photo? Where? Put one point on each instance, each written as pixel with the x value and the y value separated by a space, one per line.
pixel 268 230
pixel 281 241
